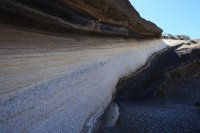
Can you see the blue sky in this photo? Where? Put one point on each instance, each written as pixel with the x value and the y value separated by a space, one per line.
pixel 173 16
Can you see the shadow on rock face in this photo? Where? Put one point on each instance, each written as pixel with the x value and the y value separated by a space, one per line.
pixel 164 97
pixel 182 85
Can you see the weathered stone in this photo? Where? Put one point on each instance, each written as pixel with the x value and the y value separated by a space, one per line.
pixel 78 16
pixel 139 86
pixel 112 115
pixel 193 41
pixel 59 84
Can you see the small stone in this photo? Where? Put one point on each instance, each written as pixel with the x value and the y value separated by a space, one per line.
pixel 112 115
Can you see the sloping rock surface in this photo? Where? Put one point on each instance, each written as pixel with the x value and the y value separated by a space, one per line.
pixel 62 84
pixel 163 96
pixel 113 17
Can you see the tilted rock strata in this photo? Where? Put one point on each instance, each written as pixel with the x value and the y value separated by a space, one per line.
pixel 61 84
pixel 138 87
pixel 79 16
pixel 167 84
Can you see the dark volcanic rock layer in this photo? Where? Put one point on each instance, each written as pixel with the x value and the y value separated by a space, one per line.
pixel 78 16
pixel 144 83
pixel 163 96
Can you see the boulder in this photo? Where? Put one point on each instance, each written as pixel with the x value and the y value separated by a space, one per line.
pixel 171 36
pixel 188 42
pixel 112 115
pixel 193 41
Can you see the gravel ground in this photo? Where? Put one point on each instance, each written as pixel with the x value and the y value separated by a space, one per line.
pixel 175 112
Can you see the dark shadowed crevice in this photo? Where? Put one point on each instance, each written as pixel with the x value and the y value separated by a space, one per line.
pixel 162 96
pixel 144 85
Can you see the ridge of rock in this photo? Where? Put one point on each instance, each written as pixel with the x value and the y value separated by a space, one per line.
pixel 78 16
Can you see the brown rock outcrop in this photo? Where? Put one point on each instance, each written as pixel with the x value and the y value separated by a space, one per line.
pixel 80 16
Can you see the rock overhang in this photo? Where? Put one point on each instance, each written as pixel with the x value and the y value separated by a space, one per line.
pixel 78 16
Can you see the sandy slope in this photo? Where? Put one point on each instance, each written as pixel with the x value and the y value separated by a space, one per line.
pixel 50 83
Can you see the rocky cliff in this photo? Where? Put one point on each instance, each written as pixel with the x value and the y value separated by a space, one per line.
pixel 59 84
pixel 113 17
pixel 162 95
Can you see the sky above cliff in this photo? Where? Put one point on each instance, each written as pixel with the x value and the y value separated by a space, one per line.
pixel 173 16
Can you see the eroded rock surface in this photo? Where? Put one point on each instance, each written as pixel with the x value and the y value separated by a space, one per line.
pixel 78 16
pixel 112 115
pixel 164 96
pixel 59 84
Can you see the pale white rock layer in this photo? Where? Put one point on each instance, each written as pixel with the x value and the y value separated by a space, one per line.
pixel 111 115
pixel 61 84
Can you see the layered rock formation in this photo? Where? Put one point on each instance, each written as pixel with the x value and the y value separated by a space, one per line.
pixel 59 84
pixel 143 87
pixel 78 16
pixel 163 95
pixel 64 84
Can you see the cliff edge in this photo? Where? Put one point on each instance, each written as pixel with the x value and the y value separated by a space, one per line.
pixel 113 17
